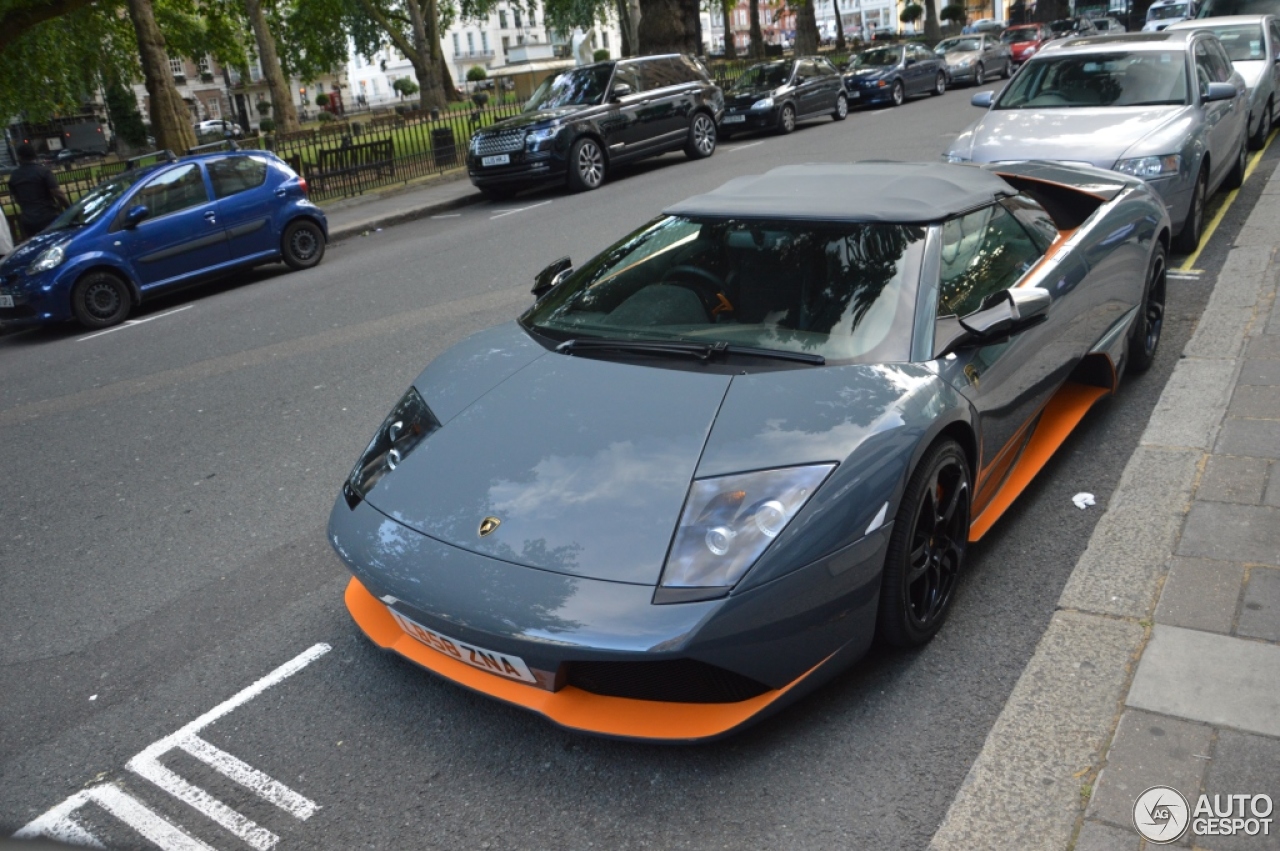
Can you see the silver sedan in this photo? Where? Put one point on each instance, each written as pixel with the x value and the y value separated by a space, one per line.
pixel 975 58
pixel 1253 43
pixel 1167 107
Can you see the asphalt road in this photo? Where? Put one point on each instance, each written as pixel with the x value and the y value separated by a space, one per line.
pixel 166 488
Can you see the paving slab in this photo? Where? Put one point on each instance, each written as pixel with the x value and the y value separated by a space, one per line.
pixel 1148 750
pixel 1231 478
pixel 1200 594
pixel 1256 401
pixel 1259 438
pixel 1095 836
pixel 1260 609
pixel 1191 405
pixel 1272 495
pixel 1216 679
pixel 1244 764
pixel 1227 532
pixel 1260 372
pixel 1219 333
pixel 1264 347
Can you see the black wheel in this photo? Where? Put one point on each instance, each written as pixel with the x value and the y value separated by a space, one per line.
pixel 100 300
pixel 842 108
pixel 979 75
pixel 926 548
pixel 940 84
pixel 586 165
pixel 898 94
pixel 1150 321
pixel 1259 137
pixel 702 137
pixel 1235 177
pixel 787 120
pixel 302 245
pixel 1008 70
pixel 1188 239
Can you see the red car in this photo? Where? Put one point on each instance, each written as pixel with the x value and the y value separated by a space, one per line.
pixel 1025 40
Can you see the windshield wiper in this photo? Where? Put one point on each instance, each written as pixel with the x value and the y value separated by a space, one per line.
pixel 701 351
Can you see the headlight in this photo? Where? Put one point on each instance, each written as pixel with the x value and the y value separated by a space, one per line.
pixel 48 259
pixel 763 103
pixel 474 144
pixel 727 523
pixel 1030 51
pixel 408 424
pixel 534 138
pixel 965 63
pixel 1148 167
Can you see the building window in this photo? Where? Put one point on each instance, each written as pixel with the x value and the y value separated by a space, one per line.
pixel 175 65
pixel 533 18
pixel 519 39
pixel 502 18
pixel 515 13
pixel 456 46
pixel 605 35
pixel 471 44
pixel 484 41
pixel 506 44
pixel 205 67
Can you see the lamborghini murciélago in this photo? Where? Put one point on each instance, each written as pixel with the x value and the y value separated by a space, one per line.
pixel 707 467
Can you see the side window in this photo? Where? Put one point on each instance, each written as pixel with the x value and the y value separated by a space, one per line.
pixel 1275 38
pixel 918 52
pixel 826 69
pixel 176 189
pixel 1039 225
pixel 1222 62
pixel 630 75
pixel 1204 70
pixel 660 73
pixel 236 174
pixel 983 253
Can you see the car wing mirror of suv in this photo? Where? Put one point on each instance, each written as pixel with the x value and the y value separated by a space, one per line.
pixel 620 90
pixel 551 276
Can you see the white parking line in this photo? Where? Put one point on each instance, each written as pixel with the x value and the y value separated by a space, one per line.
pixel 744 147
pixel 1184 276
pixel 519 210
pixel 448 216
pixel 132 322
pixel 59 823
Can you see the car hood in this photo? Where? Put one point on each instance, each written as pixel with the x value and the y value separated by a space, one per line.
pixel 1099 136
pixel 529 119
pixel 954 57
pixel 586 462
pixel 746 97
pixel 871 71
pixel 26 253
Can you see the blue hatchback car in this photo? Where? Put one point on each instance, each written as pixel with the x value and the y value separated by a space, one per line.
pixel 150 229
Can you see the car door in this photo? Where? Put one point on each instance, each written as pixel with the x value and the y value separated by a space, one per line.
pixel 245 205
pixel 919 69
pixel 664 111
pixel 1220 128
pixel 181 236
pixel 832 83
pixel 619 120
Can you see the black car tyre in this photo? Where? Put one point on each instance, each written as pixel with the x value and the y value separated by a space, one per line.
pixel 1188 239
pixel 979 75
pixel 302 245
pixel 702 137
pixel 1259 137
pixel 787 119
pixel 898 94
pixel 842 108
pixel 926 548
pixel 1150 321
pixel 940 84
pixel 1235 177
pixel 586 165
pixel 100 300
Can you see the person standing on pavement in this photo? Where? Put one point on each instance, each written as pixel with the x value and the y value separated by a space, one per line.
pixel 37 193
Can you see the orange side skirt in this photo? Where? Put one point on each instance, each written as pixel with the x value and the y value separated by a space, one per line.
pixel 569 707
pixel 1064 411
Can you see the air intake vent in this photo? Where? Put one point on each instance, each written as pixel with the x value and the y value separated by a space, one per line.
pixel 674 681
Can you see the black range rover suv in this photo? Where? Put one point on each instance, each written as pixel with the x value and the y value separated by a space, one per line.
pixel 582 122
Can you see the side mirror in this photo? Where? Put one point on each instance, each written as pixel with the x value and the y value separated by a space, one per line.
pixel 1002 315
pixel 135 215
pixel 551 276
pixel 983 99
pixel 1220 91
pixel 620 90
pixel 800 79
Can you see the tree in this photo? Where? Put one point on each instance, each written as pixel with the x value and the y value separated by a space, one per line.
pixel 322 100
pixel 272 70
pixel 756 50
pixel 911 13
pixel 404 87
pixel 170 120
pixel 476 73
pixel 932 31
pixel 953 13
pixel 730 48
pixel 669 26
pixel 840 42
pixel 18 17
pixel 122 106
pixel 806 29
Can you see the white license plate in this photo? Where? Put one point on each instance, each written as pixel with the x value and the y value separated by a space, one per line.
pixel 734 119
pixel 6 301
pixel 854 95
pixel 497 159
pixel 512 667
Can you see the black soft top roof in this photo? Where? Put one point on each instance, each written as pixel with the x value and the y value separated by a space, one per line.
pixel 905 193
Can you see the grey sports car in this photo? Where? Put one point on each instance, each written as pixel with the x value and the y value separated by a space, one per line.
pixel 706 467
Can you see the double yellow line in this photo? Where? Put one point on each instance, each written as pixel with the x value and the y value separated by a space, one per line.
pixel 1188 265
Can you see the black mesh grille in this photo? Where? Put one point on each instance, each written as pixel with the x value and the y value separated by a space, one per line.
pixel 674 681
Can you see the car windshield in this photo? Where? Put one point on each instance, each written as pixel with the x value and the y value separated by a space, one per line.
pixel 958 45
pixel 840 290
pixel 768 76
pixel 1162 13
pixel 1242 41
pixel 1020 34
pixel 579 87
pixel 1146 78
pixel 96 202
pixel 1065 26
pixel 881 57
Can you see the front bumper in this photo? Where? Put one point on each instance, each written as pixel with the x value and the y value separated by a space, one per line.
pixel 37 299
pixel 524 169
pixel 744 120
pixel 606 659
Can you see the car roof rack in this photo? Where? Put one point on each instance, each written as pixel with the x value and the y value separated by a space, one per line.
pixel 227 144
pixel 153 158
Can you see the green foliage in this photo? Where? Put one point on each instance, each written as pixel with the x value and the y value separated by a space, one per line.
pixel 953 12
pixel 263 107
pixel 322 100
pixel 480 98
pixel 325 117
pixel 476 73
pixel 911 13
pixel 266 125
pixel 123 109
pixel 601 55
pixel 405 87
pixel 564 15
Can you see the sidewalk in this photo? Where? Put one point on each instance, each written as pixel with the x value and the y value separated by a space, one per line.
pixel 1161 666
pixel 353 216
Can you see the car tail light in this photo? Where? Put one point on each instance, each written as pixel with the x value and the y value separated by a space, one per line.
pixel 302 184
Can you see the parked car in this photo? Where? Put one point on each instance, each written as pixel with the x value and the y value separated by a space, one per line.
pixel 1163 13
pixel 706 467
pixel 584 122
pixel 1223 8
pixel 975 58
pixel 148 230
pixel 1068 27
pixel 778 95
pixel 1253 45
pixel 1167 107
pixel 1107 25
pixel 892 73
pixel 1025 40
pixel 218 126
